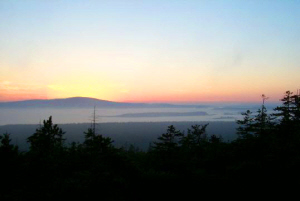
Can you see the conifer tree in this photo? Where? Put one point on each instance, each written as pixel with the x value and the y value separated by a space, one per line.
pixel 245 129
pixel 169 140
pixel 296 107
pixel 255 126
pixel 195 137
pixel 95 143
pixel 289 117
pixel 263 122
pixel 285 112
pixel 215 139
pixel 5 146
pixel 47 139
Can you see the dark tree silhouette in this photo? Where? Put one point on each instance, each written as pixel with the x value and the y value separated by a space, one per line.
pixel 265 153
pixel 6 146
pixel 245 129
pixel 285 113
pixel 262 122
pixel 288 115
pixel 10 166
pixel 195 137
pixel 168 141
pixel 296 106
pixel 215 139
pixel 48 139
pixel 96 143
pixel 257 125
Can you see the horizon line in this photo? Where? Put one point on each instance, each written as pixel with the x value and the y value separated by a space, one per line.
pixel 146 102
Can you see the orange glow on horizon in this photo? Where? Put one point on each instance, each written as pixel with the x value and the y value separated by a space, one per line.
pixel 120 93
pixel 17 97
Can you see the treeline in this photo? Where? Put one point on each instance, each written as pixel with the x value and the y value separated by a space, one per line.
pixel 267 151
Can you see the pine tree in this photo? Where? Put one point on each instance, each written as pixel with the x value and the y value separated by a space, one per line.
pixel 295 99
pixel 195 137
pixel 296 117
pixel 245 129
pixel 215 139
pixel 168 141
pixel 289 117
pixel 96 143
pixel 255 126
pixel 47 139
pixel 263 122
pixel 285 112
pixel 5 146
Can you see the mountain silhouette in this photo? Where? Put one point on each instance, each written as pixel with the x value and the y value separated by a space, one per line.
pixel 85 102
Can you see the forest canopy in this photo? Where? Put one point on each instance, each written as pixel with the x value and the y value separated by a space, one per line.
pixel 268 144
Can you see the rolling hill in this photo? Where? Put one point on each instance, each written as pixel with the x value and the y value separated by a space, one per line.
pixel 84 102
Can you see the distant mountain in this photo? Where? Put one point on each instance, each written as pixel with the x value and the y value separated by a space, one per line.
pixel 83 102
pixel 163 114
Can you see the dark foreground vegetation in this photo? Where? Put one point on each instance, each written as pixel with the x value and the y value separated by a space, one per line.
pixel 267 152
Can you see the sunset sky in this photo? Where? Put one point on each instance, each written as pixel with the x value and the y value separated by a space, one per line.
pixel 149 51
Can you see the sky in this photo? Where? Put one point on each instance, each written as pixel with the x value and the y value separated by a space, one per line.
pixel 184 51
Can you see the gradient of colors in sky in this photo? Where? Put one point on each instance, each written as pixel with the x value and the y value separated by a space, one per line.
pixel 149 51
